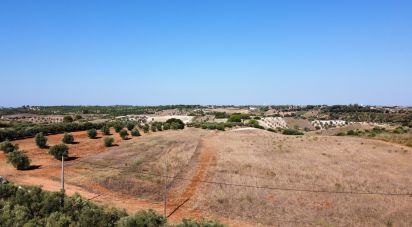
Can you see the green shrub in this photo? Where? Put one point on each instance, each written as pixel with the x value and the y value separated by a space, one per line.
pixel 8 147
pixel 41 140
pixel 351 133
pixel 59 150
pixel 176 123
pixel 18 159
pixel 92 133
pixel 123 134
pixel 199 223
pixel 159 127
pixel 253 122
pixel 400 130
pixel 271 130
pixel 68 138
pixel 67 119
pixel 143 218
pixel 78 117
pixel 135 132
pixel 234 118
pixel 108 141
pixel 130 125
pixel 117 127
pixel 146 128
pixel 105 130
pixel 153 128
pixel 289 131
pixel 166 126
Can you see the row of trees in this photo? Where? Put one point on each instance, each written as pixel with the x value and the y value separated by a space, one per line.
pixel 57 151
pixel 214 125
pixel 117 110
pixel 172 123
pixel 21 131
pixel 14 133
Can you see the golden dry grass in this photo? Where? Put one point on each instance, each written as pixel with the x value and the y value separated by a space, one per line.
pixel 256 157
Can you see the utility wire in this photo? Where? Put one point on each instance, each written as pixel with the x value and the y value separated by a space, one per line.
pixel 257 187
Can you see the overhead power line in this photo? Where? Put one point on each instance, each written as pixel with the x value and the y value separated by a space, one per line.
pixel 256 187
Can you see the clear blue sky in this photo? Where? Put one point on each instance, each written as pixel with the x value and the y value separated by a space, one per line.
pixel 205 52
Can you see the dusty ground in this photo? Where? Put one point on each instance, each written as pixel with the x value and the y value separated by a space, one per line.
pixel 132 176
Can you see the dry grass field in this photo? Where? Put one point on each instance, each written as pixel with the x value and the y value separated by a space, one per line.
pixel 242 177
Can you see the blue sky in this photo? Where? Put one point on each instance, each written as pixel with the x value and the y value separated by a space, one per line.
pixel 205 52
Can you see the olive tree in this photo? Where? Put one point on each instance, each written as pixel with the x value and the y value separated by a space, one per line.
pixel 59 150
pixel 108 141
pixel 135 132
pixel 92 133
pixel 123 134
pixel 8 147
pixel 67 119
pixel 68 138
pixel 18 159
pixel 41 140
pixel 105 130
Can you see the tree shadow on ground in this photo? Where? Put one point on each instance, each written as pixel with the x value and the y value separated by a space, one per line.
pixel 33 167
pixel 71 158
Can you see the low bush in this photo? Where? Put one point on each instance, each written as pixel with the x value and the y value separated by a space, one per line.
pixel 108 141
pixel 41 140
pixel 289 131
pixel 105 130
pixel 59 150
pixel 123 134
pixel 351 133
pixel 340 134
pixel 234 118
pixel 400 130
pixel 153 128
pixel 199 223
pixel 92 133
pixel 176 123
pixel 146 128
pixel 18 159
pixel 166 126
pixel 68 138
pixel 117 127
pixel 130 125
pixel 67 119
pixel 8 147
pixel 135 132
pixel 142 218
